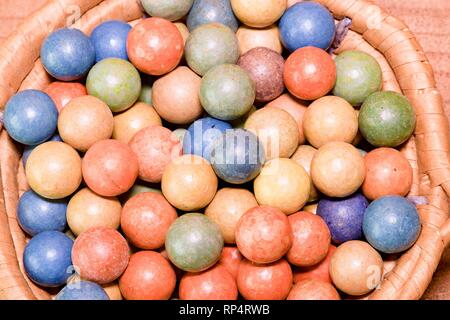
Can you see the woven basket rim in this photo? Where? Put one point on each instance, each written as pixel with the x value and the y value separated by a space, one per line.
pixel 405 69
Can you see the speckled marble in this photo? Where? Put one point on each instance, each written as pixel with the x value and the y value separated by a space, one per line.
pixel 386 119
pixel 263 234
pixel 265 67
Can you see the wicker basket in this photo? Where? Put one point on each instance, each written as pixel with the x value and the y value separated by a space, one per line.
pixel 405 69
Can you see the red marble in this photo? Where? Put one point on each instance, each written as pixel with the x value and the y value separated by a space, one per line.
pixel 309 73
pixel 110 168
pixel 320 271
pixel 264 281
pixel 388 172
pixel 311 239
pixel 263 234
pixel 155 147
pixel 62 92
pixel 313 290
pixel 149 276
pixel 146 218
pixel 231 259
pixel 178 272
pixel 215 283
pixel 155 46
pixel 100 254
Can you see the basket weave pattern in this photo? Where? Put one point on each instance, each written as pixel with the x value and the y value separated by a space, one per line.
pixel 405 69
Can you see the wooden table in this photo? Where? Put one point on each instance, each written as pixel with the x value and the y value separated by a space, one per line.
pixel 429 20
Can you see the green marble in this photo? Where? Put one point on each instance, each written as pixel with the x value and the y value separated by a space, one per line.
pixel 386 119
pixel 358 76
pixel 227 92
pixel 168 9
pixel 116 82
pixel 210 45
pixel 194 242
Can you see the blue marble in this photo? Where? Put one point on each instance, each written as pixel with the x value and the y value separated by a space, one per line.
pixel 237 157
pixel 307 24
pixel 67 54
pixel 343 216
pixel 209 11
pixel 28 149
pixel 30 117
pixel 82 290
pixel 37 214
pixel 110 40
pixel 202 134
pixel 47 258
pixel 391 224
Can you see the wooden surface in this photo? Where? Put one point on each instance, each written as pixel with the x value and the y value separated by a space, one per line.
pixel 430 22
